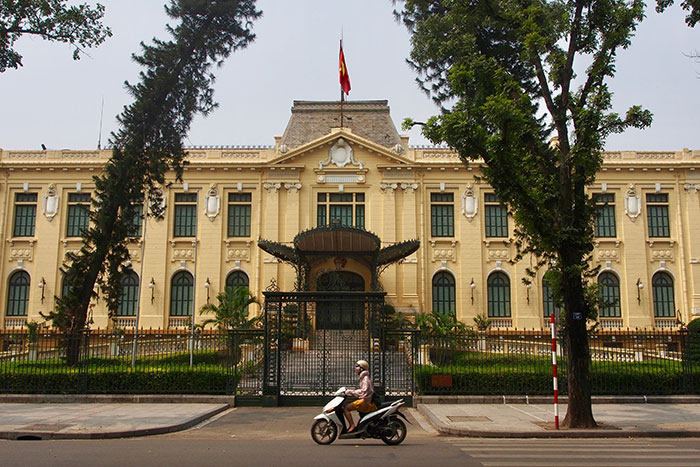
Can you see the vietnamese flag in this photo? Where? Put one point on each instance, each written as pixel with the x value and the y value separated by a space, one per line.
pixel 344 77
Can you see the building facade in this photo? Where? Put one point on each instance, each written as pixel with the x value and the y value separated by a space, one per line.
pixel 350 167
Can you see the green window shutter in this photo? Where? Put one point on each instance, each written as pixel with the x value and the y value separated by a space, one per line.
pixel 657 215
pixel 239 220
pixel 442 215
pixel 25 214
pixel 664 301
pixel 78 214
pixel 605 215
pixel 18 294
pixel 181 294
pixel 129 299
pixel 498 295
pixel 444 293
pixel 609 290
pixel 185 220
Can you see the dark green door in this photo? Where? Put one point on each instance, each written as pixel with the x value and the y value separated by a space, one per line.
pixel 342 314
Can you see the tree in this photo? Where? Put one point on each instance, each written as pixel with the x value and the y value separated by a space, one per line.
pixel 507 75
pixel 232 310
pixel 175 85
pixel 52 20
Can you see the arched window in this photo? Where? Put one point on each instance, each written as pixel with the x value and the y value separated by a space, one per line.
pixel 18 294
pixel 181 294
pixel 498 286
pixel 129 300
pixel 237 279
pixel 444 293
pixel 548 304
pixel 65 285
pixel 609 290
pixel 664 303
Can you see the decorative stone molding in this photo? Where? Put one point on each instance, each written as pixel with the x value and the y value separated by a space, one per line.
pixel 25 253
pixel 470 203
pixel 212 203
pixel 196 155
pixel 612 155
pixel 656 155
pixel 633 203
pixel 283 149
pixel 51 204
pixel 409 186
pixel 237 251
pixel 80 155
pixel 662 255
pixel 444 254
pixel 384 186
pixel 272 186
pixel 605 255
pixel 182 251
pixel 398 149
pixel 240 155
pixel 497 254
pixel 695 187
pixel 340 154
pixel 135 254
pixel 296 186
pixel 27 155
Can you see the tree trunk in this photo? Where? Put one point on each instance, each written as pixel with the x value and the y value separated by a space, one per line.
pixel 579 413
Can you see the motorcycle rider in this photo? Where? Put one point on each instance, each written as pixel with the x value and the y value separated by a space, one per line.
pixel 363 394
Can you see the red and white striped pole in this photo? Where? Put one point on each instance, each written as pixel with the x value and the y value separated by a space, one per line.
pixel 554 365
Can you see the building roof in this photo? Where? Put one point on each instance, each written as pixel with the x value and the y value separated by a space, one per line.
pixel 311 120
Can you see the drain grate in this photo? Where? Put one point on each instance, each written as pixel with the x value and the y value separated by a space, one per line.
pixel 468 418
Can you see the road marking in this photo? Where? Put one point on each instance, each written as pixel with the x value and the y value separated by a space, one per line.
pixel 528 413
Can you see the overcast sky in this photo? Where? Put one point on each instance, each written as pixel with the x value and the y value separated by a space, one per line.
pixel 56 101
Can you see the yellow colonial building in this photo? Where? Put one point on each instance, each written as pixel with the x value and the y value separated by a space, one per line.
pixel 351 169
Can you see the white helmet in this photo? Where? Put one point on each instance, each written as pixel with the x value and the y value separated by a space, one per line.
pixel 362 364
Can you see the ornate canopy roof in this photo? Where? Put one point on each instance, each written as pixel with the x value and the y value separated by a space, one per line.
pixel 315 245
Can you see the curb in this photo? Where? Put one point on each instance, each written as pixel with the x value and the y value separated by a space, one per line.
pixel 49 435
pixel 447 430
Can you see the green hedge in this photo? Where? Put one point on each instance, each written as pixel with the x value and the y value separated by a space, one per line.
pixel 487 374
pixel 196 381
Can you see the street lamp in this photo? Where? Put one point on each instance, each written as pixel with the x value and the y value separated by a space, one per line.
pixel 640 286
pixel 152 286
pixel 207 284
pixel 473 286
pixel 42 285
pixel 528 286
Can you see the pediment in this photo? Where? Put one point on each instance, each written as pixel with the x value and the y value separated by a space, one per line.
pixel 341 149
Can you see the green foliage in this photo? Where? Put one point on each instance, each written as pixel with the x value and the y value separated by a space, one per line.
pixel 232 310
pixel 441 324
pixel 476 373
pixel 33 331
pixel 52 20
pixel 175 85
pixel 693 347
pixel 482 322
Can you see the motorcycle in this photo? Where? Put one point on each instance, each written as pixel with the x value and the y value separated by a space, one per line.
pixel 384 423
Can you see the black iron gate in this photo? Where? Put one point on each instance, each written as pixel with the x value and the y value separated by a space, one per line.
pixel 305 360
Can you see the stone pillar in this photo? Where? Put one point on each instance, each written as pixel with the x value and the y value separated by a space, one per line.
pixel 271 220
pixel 409 231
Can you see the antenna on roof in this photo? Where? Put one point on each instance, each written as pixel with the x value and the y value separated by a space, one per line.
pixel 102 112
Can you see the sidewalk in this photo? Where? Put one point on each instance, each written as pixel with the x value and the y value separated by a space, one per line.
pixel 99 417
pixel 100 420
pixel 536 420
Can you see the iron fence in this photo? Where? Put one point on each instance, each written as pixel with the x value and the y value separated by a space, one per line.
pixel 147 362
pixel 403 362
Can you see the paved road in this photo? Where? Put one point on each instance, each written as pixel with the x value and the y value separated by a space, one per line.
pixel 280 436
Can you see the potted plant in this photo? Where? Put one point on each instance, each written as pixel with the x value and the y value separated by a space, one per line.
pixel 482 323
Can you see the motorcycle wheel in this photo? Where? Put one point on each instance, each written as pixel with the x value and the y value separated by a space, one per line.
pixel 394 432
pixel 324 431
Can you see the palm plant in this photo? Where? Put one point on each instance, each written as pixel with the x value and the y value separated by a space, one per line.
pixel 232 310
